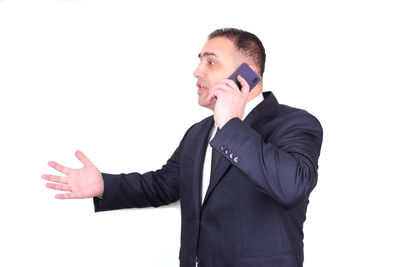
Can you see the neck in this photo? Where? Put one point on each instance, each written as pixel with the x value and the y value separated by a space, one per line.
pixel 254 92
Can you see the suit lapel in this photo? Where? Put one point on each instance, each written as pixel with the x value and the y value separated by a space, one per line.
pixel 263 112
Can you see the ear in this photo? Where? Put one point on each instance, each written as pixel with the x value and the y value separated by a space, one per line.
pixel 254 69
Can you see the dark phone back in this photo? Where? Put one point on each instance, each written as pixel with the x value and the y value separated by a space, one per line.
pixel 248 74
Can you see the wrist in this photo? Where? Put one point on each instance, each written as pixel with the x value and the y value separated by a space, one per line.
pixel 100 195
pixel 222 124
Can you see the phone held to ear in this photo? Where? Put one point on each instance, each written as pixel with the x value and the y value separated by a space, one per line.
pixel 248 74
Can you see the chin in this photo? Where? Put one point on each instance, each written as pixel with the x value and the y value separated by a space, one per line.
pixel 205 103
pixel 202 102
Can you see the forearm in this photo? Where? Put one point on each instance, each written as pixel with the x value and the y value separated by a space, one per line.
pixel 135 190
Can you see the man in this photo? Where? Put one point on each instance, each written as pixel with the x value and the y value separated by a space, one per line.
pixel 243 189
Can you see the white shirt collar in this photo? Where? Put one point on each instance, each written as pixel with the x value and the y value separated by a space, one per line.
pixel 252 104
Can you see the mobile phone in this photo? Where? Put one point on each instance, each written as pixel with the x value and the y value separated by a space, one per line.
pixel 248 74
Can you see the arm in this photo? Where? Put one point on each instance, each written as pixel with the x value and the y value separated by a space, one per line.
pixel 154 188
pixel 110 191
pixel 117 191
pixel 285 167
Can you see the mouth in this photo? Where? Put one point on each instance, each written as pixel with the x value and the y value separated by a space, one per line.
pixel 202 87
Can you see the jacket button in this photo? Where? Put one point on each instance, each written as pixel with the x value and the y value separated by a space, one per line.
pixel 236 159
pixel 231 155
pixel 223 148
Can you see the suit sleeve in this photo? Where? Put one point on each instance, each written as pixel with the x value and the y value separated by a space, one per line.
pixel 285 166
pixel 135 190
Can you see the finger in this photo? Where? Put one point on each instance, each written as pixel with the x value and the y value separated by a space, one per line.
pixel 211 95
pixel 245 85
pixel 220 86
pixel 212 98
pixel 232 84
pixel 219 89
pixel 59 167
pixel 67 196
pixel 227 85
pixel 214 93
pixel 61 187
pixel 62 196
pixel 85 160
pixel 54 178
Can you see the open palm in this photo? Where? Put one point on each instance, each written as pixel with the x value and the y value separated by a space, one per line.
pixel 85 182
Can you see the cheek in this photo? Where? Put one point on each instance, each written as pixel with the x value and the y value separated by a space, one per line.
pixel 216 78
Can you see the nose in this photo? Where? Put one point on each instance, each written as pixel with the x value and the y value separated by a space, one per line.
pixel 198 72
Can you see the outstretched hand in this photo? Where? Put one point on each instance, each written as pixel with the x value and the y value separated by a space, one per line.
pixel 85 182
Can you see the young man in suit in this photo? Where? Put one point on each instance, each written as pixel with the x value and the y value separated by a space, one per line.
pixel 243 175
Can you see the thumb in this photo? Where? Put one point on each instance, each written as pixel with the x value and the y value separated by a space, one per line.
pixel 83 158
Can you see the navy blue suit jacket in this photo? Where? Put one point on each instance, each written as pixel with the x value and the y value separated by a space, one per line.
pixel 255 206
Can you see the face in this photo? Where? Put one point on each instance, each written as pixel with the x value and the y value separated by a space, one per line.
pixel 218 60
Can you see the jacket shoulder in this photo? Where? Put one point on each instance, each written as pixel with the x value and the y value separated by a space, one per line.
pixel 296 114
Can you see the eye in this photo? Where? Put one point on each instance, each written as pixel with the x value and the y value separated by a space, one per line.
pixel 211 62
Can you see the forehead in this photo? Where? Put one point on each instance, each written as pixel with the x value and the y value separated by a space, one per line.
pixel 221 46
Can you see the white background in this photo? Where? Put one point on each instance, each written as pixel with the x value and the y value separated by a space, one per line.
pixel 114 79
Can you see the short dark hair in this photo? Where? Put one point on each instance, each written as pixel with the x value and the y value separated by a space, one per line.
pixel 246 43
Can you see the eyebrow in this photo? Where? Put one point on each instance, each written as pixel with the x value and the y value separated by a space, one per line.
pixel 207 54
